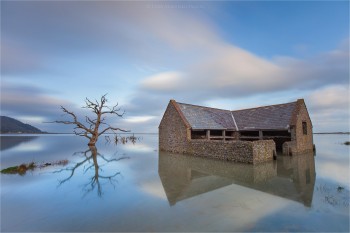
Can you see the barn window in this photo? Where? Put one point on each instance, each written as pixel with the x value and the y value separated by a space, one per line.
pixel 198 134
pixel 304 128
pixel 216 133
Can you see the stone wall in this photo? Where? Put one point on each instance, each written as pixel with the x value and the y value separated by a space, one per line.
pixel 304 142
pixel 301 142
pixel 289 148
pixel 173 133
pixel 263 150
pixel 225 150
pixel 239 151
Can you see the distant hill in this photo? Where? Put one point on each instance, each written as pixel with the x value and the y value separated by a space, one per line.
pixel 10 125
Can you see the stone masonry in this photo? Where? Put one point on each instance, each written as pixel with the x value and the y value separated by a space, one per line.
pixel 174 136
pixel 302 141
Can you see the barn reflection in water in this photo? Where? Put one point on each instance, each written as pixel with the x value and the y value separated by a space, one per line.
pixel 291 177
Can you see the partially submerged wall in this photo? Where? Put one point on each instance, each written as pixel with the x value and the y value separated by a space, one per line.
pixel 172 131
pixel 289 148
pixel 301 132
pixel 231 151
pixel 239 151
pixel 304 140
pixel 263 150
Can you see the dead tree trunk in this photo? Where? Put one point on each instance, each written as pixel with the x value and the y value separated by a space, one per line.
pixel 93 140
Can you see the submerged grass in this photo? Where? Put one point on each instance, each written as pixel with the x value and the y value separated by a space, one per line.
pixel 23 168
pixel 10 170
pixel 125 140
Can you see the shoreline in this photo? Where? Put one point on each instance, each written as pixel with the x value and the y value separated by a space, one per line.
pixel 45 133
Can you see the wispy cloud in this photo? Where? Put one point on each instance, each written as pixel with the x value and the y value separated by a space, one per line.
pixel 232 72
pixel 32 105
pixel 329 108
pixel 335 97
pixel 28 100
pixel 176 53
pixel 16 59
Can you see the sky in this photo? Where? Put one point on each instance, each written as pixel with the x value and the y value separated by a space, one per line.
pixel 223 54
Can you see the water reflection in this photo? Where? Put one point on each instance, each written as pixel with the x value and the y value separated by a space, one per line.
pixel 90 166
pixel 184 177
pixel 8 142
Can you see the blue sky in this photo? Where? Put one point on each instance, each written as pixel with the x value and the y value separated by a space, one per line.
pixel 229 54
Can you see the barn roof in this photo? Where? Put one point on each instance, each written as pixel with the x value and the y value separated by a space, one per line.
pixel 273 117
pixel 200 117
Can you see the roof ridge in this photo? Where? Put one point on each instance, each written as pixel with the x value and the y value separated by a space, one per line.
pixel 262 106
pixel 205 107
pixel 177 108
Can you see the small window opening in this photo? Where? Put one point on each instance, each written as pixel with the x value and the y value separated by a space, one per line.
pixel 215 132
pixel 304 128
pixel 250 133
pixel 229 133
pixel 198 134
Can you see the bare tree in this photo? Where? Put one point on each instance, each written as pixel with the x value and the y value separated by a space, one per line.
pixel 91 129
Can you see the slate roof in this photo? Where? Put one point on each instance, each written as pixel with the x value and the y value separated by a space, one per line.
pixel 207 118
pixel 273 117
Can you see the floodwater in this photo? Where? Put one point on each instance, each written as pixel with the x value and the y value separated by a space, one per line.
pixel 134 187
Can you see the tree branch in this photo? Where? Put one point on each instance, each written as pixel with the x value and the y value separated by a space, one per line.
pixel 78 124
pixel 113 129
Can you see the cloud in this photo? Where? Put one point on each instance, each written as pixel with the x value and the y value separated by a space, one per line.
pixel 138 119
pixel 230 72
pixel 18 59
pixel 330 98
pixel 149 102
pixel 338 173
pixel 29 101
pixel 130 28
pixel 329 108
pixel 33 105
pixel 142 124
pixel 184 39
pixel 218 69
pixel 189 60
pixel 233 73
pixel 321 70
pixel 165 81
pixel 154 189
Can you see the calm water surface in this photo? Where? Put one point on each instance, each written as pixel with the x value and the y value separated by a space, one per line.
pixel 134 187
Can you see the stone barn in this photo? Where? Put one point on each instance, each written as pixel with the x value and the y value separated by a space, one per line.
pixel 249 135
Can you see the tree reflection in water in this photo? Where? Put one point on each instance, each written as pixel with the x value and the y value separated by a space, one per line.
pixel 89 163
